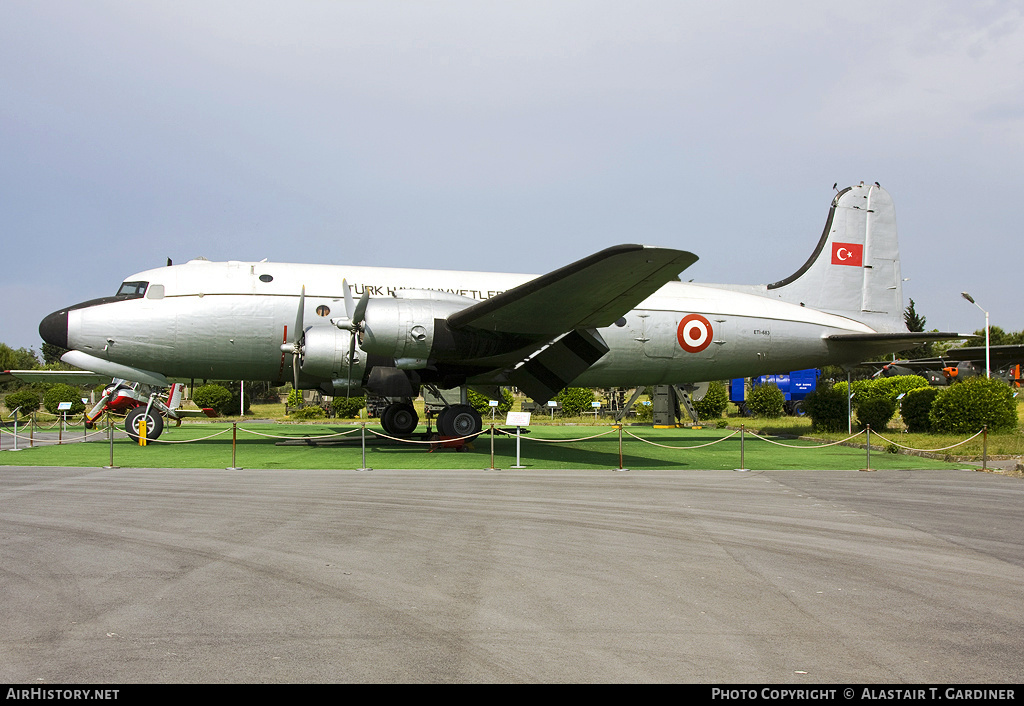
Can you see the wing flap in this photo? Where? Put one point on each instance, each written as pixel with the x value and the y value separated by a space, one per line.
pixel 591 293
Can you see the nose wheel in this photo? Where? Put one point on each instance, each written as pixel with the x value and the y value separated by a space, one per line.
pixel 154 423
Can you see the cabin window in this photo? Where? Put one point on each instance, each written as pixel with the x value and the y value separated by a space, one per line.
pixel 266 278
pixel 323 310
pixel 132 290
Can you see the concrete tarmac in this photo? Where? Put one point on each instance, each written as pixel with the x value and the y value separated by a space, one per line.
pixel 129 576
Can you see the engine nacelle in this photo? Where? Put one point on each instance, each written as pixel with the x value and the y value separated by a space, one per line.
pixel 403 328
pixel 325 355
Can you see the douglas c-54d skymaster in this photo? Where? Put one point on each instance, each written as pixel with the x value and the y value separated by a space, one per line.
pixel 618 318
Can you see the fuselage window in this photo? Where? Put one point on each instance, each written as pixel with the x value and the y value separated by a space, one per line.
pixel 266 278
pixel 132 290
pixel 323 310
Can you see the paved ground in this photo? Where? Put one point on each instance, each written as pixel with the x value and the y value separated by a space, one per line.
pixel 130 575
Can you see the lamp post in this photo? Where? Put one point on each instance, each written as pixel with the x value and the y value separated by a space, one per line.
pixel 988 366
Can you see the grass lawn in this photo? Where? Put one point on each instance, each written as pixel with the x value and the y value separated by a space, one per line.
pixel 209 445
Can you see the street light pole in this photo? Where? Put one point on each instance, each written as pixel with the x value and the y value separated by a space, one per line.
pixel 988 366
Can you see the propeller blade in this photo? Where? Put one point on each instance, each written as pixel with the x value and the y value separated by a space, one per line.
pixel 360 311
pixel 299 334
pixel 351 357
pixel 298 315
pixel 349 302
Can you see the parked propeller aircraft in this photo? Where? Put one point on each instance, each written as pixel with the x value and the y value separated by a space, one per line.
pixel 958 364
pixel 618 318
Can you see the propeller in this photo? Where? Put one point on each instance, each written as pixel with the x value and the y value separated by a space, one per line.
pixel 355 314
pixel 298 336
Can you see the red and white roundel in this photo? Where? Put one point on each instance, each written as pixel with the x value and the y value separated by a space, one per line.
pixel 694 333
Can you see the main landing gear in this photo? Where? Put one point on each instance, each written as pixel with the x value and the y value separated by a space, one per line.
pixel 399 419
pixel 459 420
pixel 455 421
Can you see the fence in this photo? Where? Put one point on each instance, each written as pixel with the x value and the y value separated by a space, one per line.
pixel 33 440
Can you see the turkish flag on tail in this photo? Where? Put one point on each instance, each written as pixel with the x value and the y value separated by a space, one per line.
pixel 847 254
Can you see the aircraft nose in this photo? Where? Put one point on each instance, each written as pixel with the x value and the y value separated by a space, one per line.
pixel 54 328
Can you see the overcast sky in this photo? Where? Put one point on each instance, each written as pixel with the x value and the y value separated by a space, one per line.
pixel 512 136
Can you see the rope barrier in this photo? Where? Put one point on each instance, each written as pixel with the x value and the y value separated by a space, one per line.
pixel 560 441
pixel 35 440
pixel 446 440
pixel 805 446
pixel 185 441
pixel 944 448
pixel 682 448
pixel 277 436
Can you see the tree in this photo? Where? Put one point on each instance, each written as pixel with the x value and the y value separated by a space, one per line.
pixel 52 354
pixel 916 323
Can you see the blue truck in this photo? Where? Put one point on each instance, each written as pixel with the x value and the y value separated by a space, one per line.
pixel 795 386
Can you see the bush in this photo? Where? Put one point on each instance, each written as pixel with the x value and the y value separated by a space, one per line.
pixel 63 393
pixel 294 398
pixel 967 406
pixel 575 401
pixel 713 403
pixel 827 408
pixel 876 412
pixel 27 399
pixel 916 407
pixel 311 412
pixel 482 403
pixel 766 401
pixel 216 397
pixel 347 407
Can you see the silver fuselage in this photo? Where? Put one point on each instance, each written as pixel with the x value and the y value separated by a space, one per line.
pixel 227 320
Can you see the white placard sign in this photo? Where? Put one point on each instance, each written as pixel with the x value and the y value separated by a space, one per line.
pixel 518 419
pixel 63 406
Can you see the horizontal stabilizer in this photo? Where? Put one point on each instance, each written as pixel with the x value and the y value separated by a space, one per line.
pixel 896 339
pixel 591 293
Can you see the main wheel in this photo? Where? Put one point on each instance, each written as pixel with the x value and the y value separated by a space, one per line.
pixel 459 420
pixel 154 423
pixel 399 419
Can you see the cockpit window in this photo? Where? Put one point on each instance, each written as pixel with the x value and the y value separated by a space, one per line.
pixel 132 290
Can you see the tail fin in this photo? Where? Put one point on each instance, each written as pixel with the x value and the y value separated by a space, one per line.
pixel 855 269
pixel 174 398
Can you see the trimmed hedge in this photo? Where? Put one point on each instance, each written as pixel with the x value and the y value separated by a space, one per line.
pixel 826 407
pixel 916 408
pixel 965 407
pixel 767 401
pixel 63 393
pixel 216 397
pixel 27 399
pixel 714 402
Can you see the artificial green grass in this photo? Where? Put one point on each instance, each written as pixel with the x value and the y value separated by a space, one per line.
pixel 255 452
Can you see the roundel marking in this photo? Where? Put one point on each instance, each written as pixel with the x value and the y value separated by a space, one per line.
pixel 694 333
